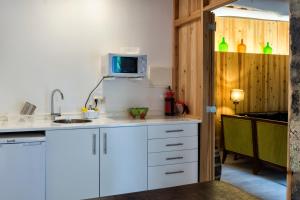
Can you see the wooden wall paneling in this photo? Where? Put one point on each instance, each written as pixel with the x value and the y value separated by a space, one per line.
pixel 218 81
pixel 262 77
pixel 188 11
pixel 184 8
pixel 283 39
pixel 188 81
pixel 195 5
pixel 188 7
pixel 183 61
pixel 196 79
pixel 260 83
pixel 256 33
pixel 252 92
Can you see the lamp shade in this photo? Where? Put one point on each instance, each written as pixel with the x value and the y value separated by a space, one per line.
pixel 237 95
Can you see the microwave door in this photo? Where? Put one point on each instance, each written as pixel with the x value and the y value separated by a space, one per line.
pixel 124 65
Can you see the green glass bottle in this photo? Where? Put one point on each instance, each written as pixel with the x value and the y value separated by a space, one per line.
pixel 268 49
pixel 223 46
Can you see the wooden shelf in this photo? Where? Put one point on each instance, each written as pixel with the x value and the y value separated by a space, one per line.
pixel 251 53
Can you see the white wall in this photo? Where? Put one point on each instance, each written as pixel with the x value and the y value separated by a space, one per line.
pixel 48 44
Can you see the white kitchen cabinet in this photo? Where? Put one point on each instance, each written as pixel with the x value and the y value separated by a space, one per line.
pixel 123 160
pixel 72 167
pixel 172 155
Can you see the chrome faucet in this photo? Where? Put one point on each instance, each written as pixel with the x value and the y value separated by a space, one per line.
pixel 53 114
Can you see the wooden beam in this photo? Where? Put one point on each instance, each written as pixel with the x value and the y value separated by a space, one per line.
pixel 175 72
pixel 193 17
pixel 216 4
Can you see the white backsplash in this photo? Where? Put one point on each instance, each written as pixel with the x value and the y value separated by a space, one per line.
pixel 121 94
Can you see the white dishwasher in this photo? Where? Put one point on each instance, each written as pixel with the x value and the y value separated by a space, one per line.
pixel 22 166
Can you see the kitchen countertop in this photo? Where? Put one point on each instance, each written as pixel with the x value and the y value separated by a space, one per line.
pixel 46 124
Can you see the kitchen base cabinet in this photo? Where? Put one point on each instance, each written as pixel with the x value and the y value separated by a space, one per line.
pixel 72 166
pixel 172 155
pixel 123 160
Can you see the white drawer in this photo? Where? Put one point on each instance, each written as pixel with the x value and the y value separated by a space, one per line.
pixel 177 130
pixel 173 157
pixel 172 144
pixel 172 175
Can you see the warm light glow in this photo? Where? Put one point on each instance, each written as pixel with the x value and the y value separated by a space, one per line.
pixel 237 95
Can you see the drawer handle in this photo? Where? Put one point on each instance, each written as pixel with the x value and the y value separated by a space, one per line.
pixel 174 145
pixel 176 172
pixel 175 158
pixel 174 131
pixel 32 144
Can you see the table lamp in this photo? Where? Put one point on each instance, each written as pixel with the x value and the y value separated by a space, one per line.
pixel 236 96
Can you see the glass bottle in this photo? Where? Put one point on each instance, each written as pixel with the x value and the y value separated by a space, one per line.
pixel 223 46
pixel 268 49
pixel 242 47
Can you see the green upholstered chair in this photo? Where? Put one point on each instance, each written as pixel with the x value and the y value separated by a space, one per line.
pixel 272 142
pixel 237 136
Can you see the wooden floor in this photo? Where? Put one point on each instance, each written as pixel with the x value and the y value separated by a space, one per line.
pixel 202 191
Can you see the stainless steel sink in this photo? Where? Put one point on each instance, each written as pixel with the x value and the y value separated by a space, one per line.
pixel 72 121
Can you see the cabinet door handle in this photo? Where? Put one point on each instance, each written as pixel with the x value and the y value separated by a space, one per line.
pixel 105 143
pixel 175 158
pixel 176 172
pixel 94 144
pixel 174 131
pixel 32 144
pixel 11 141
pixel 173 145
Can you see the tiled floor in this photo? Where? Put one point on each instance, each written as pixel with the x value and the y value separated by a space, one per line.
pixel 270 184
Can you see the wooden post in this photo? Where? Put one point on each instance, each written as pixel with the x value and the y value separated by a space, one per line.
pixel 208 125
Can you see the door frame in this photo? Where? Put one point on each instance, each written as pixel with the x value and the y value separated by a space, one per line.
pixel 207 136
pixel 214 4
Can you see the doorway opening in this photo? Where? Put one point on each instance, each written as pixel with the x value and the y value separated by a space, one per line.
pixel 251 89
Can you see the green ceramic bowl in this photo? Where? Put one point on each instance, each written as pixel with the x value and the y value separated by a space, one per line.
pixel 138 112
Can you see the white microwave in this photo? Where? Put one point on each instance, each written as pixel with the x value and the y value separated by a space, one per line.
pixel 126 65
